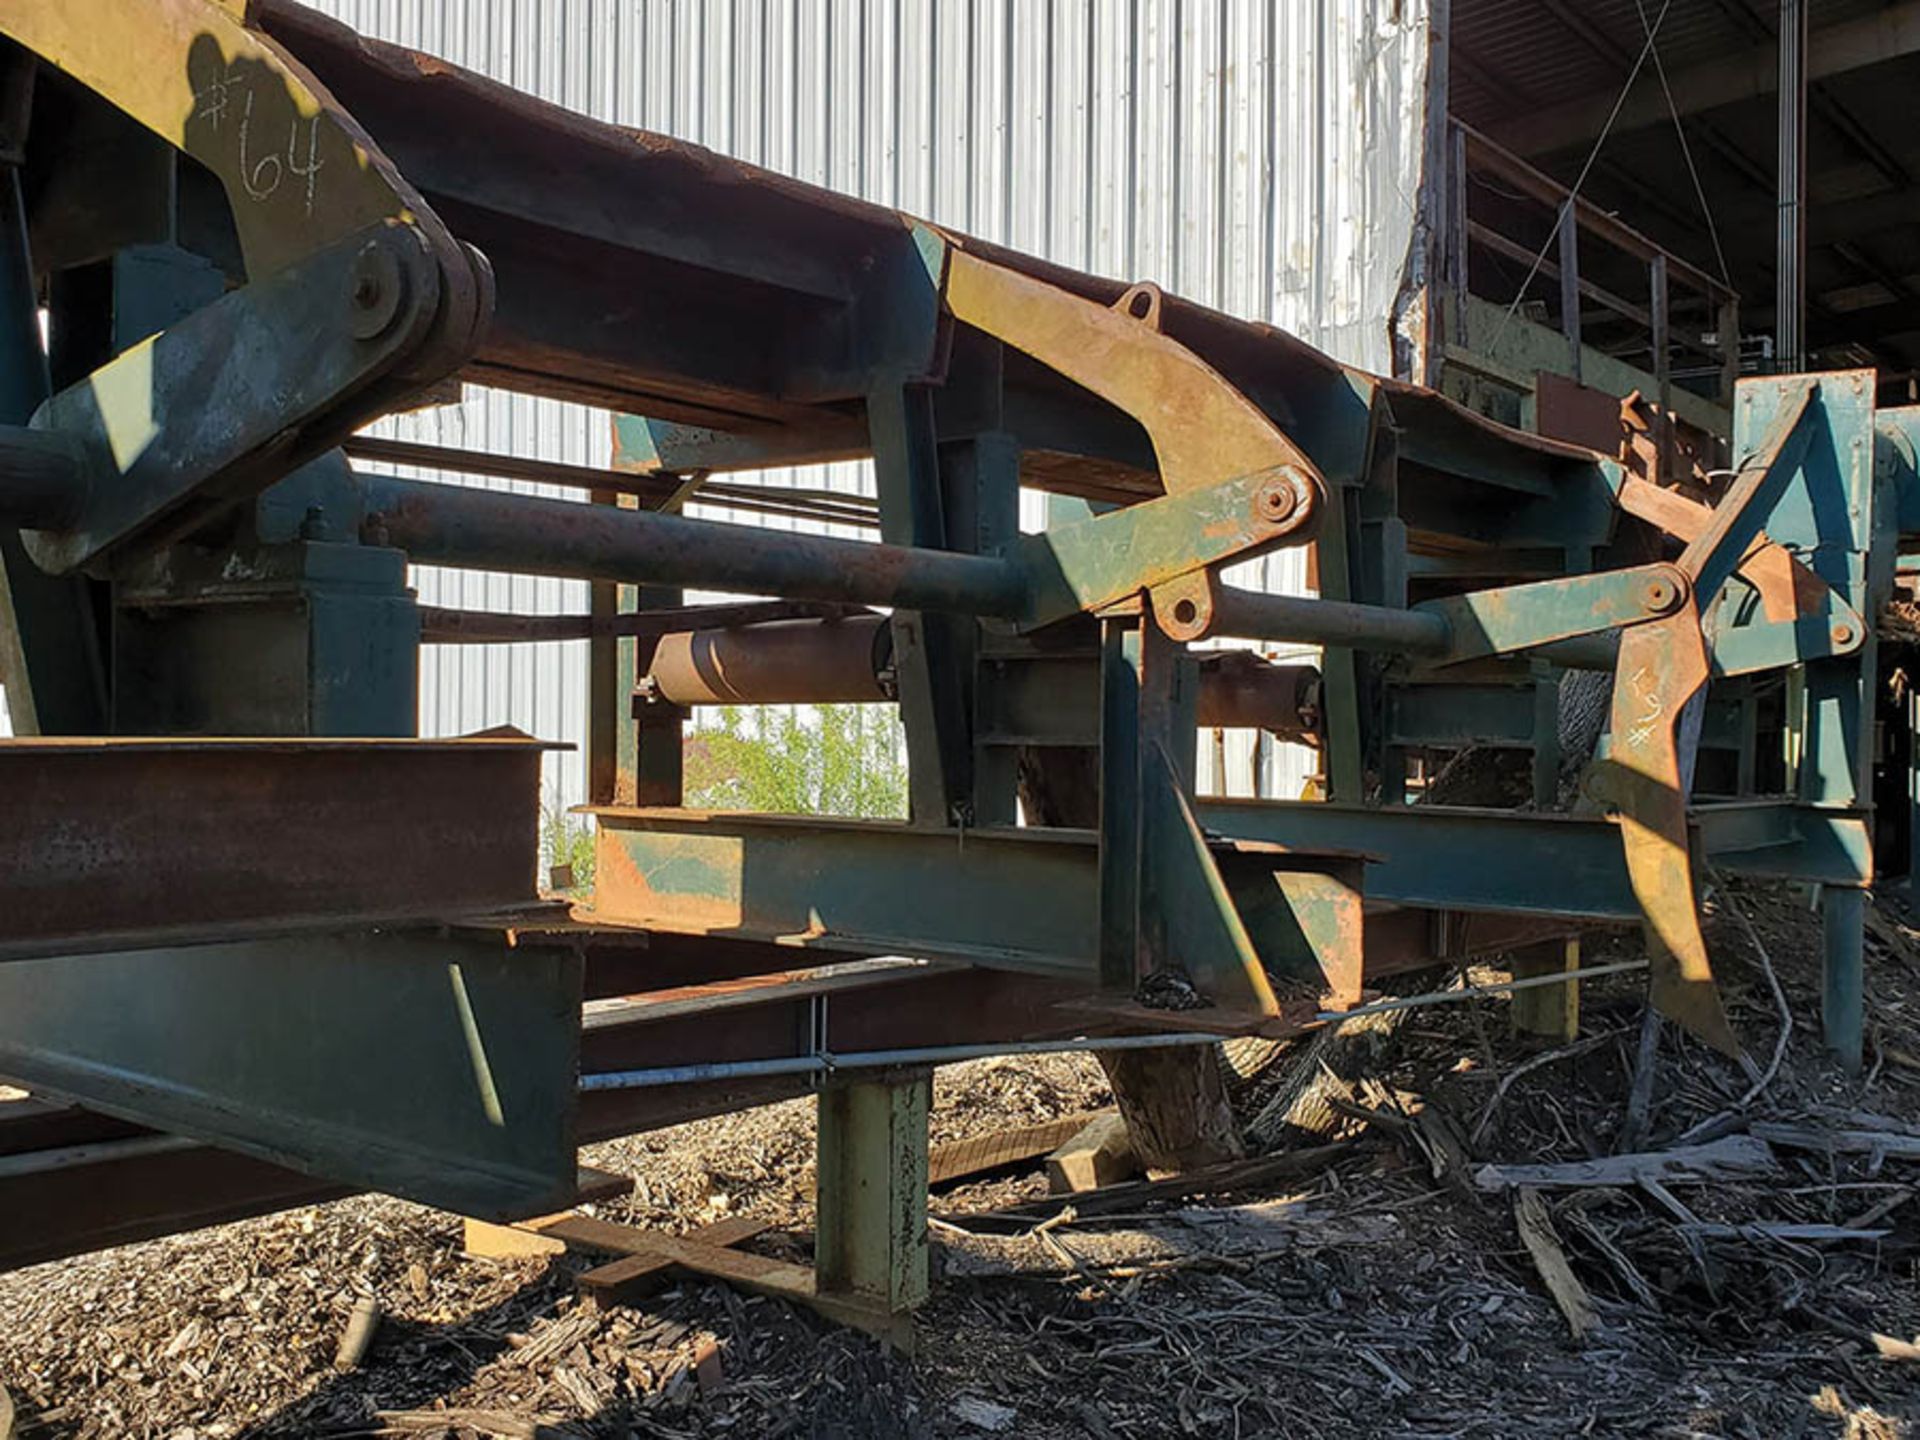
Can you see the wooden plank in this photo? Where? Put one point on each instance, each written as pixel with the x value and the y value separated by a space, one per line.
pixel 641 1273
pixel 1838 1141
pixel 522 1240
pixel 594 1186
pixel 1214 1180
pixel 497 1423
pixel 1730 1157
pixel 1543 1245
pixel 1100 1153
pixel 982 1154
pixel 526 1239
pixel 757 1274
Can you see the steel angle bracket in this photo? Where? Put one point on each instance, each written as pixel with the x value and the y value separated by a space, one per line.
pixel 1221 910
pixel 440 1069
pixel 1187 911
pixel 1207 437
pixel 399 301
pixel 1306 911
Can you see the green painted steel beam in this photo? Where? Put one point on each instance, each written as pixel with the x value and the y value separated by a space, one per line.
pixel 1449 715
pixel 1009 897
pixel 1545 864
pixel 436 1068
pixel 1028 899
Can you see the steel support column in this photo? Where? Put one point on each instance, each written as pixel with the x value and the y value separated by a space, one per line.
pixel 1843 920
pixel 1790 300
pixel 871 1233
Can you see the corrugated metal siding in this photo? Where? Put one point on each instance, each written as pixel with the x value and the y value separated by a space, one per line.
pixel 1260 156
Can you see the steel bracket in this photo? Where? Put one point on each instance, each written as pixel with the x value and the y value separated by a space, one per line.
pixel 220 404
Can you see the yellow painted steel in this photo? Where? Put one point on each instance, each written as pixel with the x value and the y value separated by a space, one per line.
pixel 298 172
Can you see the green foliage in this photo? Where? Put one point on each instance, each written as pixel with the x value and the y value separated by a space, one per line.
pixel 823 760
pixel 567 840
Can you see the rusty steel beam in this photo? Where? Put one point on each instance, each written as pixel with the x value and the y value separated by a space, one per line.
pixel 68 1201
pixel 1240 690
pixel 116 843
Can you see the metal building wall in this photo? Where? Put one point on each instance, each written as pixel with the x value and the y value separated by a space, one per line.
pixel 1260 156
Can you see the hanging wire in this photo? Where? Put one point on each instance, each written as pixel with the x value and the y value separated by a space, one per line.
pixel 1574 192
pixel 1686 150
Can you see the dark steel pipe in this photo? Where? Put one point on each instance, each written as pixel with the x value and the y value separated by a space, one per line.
pixel 1239 690
pixel 42 484
pixel 789 662
pixel 848 660
pixel 1247 615
pixel 521 534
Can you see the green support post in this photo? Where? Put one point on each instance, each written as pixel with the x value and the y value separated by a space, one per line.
pixel 1546 737
pixel 1550 1011
pixel 659 730
pixel 980 484
pixel 1843 922
pixel 933 653
pixel 871 1237
pixel 1826 508
pixel 51 658
pixel 1120 805
pixel 613 734
pixel 1344 761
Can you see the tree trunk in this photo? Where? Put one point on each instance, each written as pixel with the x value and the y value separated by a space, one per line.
pixel 1175 1104
pixel 1174 1100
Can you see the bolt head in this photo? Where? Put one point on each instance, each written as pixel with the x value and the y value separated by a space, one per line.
pixel 375 287
pixel 1277 501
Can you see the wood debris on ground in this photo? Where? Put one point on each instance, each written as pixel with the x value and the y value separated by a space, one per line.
pixel 1729 1263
